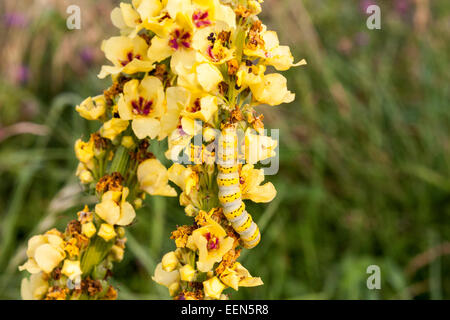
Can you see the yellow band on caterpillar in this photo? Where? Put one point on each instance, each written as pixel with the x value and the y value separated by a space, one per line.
pixel 228 182
pixel 251 233
pixel 226 198
pixel 245 225
pixel 252 244
pixel 235 213
pixel 228 169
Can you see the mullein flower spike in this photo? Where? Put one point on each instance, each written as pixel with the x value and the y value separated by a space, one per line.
pixel 180 69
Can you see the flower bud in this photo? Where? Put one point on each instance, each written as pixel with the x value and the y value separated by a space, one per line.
pixel 107 232
pixel 169 261
pixel 187 273
pixel 213 288
pixel 88 229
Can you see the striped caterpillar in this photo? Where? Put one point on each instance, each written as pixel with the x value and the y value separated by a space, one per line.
pixel 230 198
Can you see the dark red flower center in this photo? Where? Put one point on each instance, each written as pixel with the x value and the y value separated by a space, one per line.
pixel 180 38
pixel 141 106
pixel 213 242
pixel 130 57
pixel 200 19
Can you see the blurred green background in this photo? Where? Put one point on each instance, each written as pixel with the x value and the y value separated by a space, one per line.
pixel 365 149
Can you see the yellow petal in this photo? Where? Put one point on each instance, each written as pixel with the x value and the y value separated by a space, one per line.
pixel 109 211
pixel 213 288
pixel 165 278
pixel 146 127
pixel 208 76
pixel 48 257
pixel 71 269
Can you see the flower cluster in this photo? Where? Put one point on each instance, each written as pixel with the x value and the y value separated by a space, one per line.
pixel 182 71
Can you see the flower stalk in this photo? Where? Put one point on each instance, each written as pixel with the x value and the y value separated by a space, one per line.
pixel 184 71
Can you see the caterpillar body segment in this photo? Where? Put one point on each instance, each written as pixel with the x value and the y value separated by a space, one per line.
pixel 230 196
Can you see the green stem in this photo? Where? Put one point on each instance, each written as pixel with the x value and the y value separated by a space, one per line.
pixel 120 161
pixel 95 253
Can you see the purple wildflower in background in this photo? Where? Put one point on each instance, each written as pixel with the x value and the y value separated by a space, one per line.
pixel 22 74
pixel 402 6
pixel 364 4
pixel 87 55
pixel 14 19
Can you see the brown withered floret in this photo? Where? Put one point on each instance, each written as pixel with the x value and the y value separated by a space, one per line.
pixel 100 143
pixel 228 261
pixel 91 287
pixel 142 153
pixel 242 11
pixel 224 36
pixel 223 88
pixel 190 295
pixel 256 122
pixel 82 241
pixel 56 274
pixel 85 216
pixel 111 294
pixel 146 37
pixel 110 182
pixel 56 293
pixel 117 88
pixel 160 72
pixel 236 115
pixel 233 67
pixel 254 37
pixel 73 227
pixel 181 235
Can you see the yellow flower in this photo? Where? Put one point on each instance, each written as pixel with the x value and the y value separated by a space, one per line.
pixel 250 74
pixel 165 278
pixel 183 108
pixel 212 243
pixel 71 269
pixel 169 261
pixel 130 18
pixel 45 252
pixel 88 229
pixel 112 128
pixel 258 147
pixel 114 209
pixel 92 108
pixel 213 288
pixel 187 273
pixel 84 174
pixel 183 177
pixel 153 178
pixel 212 43
pixel 251 187
pixel 237 276
pixel 272 90
pixel 195 72
pixel 35 287
pixel 128 55
pixel 143 103
pixel 117 253
pixel 107 232
pixel 84 151
pixel 272 53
